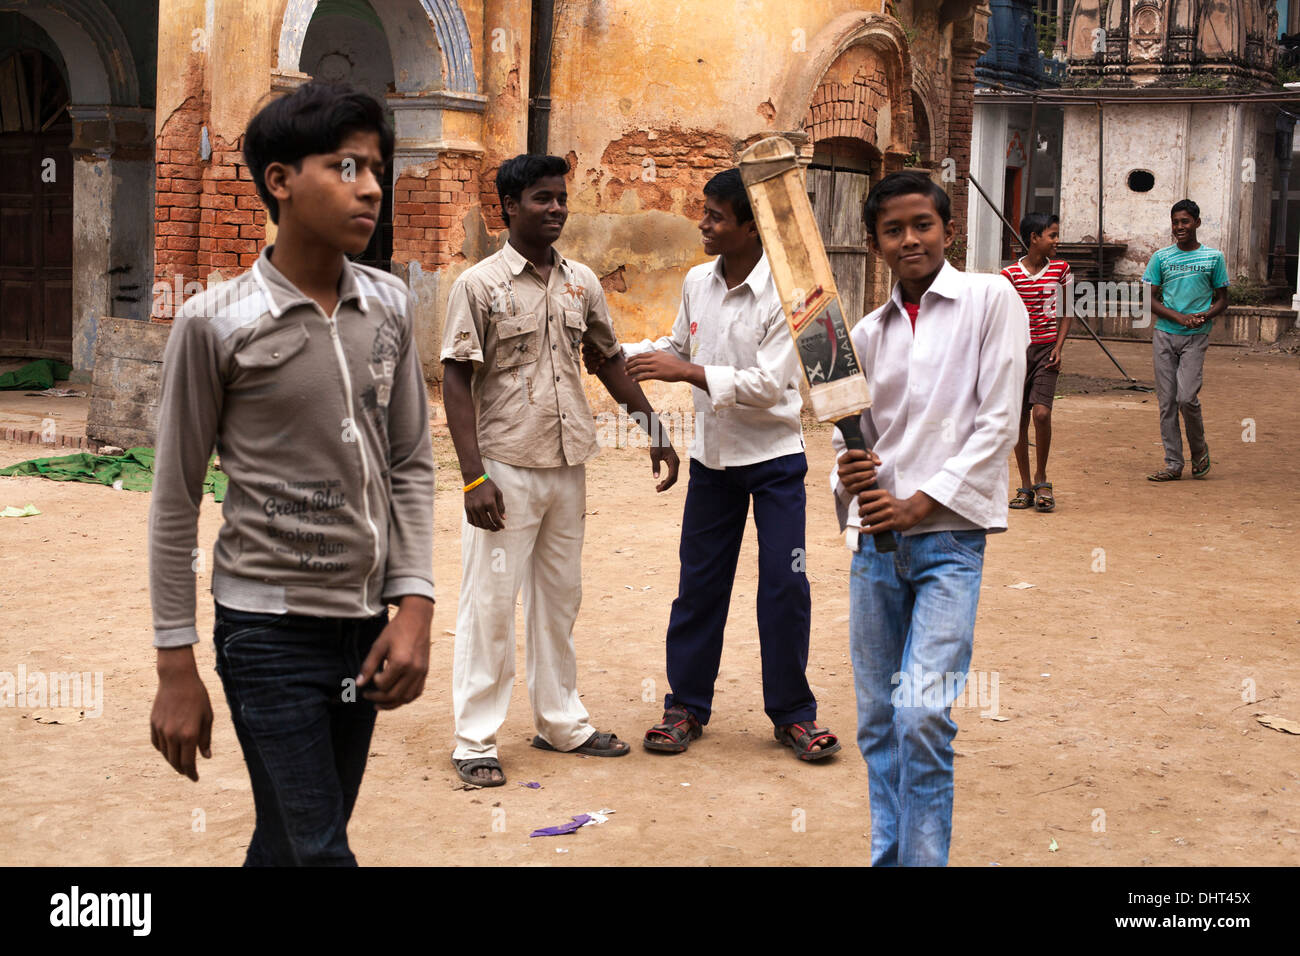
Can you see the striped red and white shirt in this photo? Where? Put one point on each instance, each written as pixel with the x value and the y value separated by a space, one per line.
pixel 1038 292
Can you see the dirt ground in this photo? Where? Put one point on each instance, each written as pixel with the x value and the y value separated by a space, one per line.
pixel 1130 735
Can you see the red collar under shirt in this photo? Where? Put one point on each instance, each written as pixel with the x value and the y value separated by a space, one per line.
pixel 912 309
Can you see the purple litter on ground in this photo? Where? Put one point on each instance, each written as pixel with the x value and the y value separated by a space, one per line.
pixel 580 820
pixel 532 786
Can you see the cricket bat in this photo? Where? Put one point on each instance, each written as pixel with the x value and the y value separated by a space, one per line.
pixel 804 281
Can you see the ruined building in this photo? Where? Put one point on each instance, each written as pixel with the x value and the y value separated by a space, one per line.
pixel 142 104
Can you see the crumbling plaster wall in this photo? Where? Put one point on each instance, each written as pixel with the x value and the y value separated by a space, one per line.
pixel 649 101
pixel 1194 151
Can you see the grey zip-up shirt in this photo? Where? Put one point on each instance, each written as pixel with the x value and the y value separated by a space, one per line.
pixel 322 425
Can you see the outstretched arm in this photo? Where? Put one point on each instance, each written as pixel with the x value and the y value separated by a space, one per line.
pixel 613 375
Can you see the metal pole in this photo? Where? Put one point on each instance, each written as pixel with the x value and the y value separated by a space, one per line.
pixel 1101 191
pixel 1082 321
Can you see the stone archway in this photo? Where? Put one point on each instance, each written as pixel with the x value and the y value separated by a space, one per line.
pixel 111 171
pixel 855 88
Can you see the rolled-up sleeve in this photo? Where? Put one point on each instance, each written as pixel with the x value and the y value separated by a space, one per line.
pixel 763 384
pixel 677 343
pixel 970 481
pixel 462 330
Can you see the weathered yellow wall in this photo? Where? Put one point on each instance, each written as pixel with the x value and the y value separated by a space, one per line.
pixel 630 78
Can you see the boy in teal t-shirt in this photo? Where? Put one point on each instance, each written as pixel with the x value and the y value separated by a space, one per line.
pixel 1190 288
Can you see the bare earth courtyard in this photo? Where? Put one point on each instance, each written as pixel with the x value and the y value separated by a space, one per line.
pixel 1125 675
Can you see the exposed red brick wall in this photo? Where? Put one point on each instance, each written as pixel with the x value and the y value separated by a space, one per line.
pixel 961 109
pixel 655 164
pixel 429 208
pixel 848 109
pixel 176 192
pixel 232 219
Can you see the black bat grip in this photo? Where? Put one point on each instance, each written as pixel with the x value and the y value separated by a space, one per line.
pixel 851 431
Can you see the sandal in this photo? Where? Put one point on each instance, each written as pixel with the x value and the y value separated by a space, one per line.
pixel 1024 499
pixel 1201 466
pixel 465 770
pixel 674 733
pixel 809 735
pixel 597 745
pixel 1165 475
pixel 1044 502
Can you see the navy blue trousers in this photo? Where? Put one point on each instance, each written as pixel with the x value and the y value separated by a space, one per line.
pixel 713 525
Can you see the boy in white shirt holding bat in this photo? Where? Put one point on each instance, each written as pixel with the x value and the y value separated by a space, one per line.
pixel 730 341
pixel 945 358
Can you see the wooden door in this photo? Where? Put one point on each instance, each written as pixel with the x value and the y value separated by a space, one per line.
pixel 35 208
pixel 837 196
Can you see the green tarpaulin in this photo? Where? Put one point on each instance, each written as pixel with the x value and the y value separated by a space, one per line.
pixel 38 375
pixel 134 469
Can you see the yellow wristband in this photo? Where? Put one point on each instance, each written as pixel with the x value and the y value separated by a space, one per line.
pixel 476 482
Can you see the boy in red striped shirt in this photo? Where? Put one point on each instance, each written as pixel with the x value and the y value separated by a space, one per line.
pixel 1038 277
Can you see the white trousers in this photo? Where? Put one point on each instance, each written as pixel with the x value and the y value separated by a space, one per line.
pixel 540 551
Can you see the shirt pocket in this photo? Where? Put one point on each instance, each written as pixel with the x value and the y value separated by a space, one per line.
pixel 273 350
pixel 575 325
pixel 516 340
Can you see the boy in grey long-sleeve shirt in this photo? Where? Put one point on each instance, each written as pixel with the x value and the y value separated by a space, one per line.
pixel 304 375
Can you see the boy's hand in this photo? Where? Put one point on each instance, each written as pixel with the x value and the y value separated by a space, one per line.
pixel 667 455
pixel 1054 360
pixel 657 365
pixel 881 511
pixel 182 714
pixel 485 508
pixel 857 470
pixel 403 649
pixel 593 358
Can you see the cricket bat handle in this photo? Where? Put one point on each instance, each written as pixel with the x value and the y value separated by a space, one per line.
pixel 851 431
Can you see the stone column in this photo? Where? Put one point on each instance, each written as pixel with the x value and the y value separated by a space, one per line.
pixel 970 40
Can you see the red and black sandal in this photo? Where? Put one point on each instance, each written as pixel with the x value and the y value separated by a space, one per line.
pixel 809 735
pixel 674 733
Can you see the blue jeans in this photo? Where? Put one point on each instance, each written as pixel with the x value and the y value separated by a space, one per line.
pixel 305 733
pixel 912 623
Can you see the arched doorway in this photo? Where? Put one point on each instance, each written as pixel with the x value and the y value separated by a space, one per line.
pixel 345 43
pixel 35 208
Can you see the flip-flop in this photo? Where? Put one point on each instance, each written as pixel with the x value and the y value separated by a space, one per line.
pixel 1201 466
pixel 597 745
pixel 465 770
pixel 1165 475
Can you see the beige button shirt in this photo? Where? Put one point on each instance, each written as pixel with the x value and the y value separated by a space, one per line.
pixel 525 338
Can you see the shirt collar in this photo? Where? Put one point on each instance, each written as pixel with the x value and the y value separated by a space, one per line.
pixel 757 279
pixel 946 284
pixel 516 262
pixel 282 294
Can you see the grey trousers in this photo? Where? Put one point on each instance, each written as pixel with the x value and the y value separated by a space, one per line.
pixel 1178 361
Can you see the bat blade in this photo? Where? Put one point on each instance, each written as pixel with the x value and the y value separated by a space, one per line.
pixel 837 387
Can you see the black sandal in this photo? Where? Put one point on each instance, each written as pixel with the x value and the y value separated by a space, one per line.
pixel 809 734
pixel 674 733
pixel 1044 502
pixel 465 770
pixel 597 745
pixel 1023 500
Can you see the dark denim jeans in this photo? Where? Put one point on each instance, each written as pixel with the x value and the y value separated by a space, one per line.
pixel 303 727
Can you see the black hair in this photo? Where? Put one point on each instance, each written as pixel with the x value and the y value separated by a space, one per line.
pixel 904 184
pixel 1036 224
pixel 727 186
pixel 517 174
pixel 1187 206
pixel 312 120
